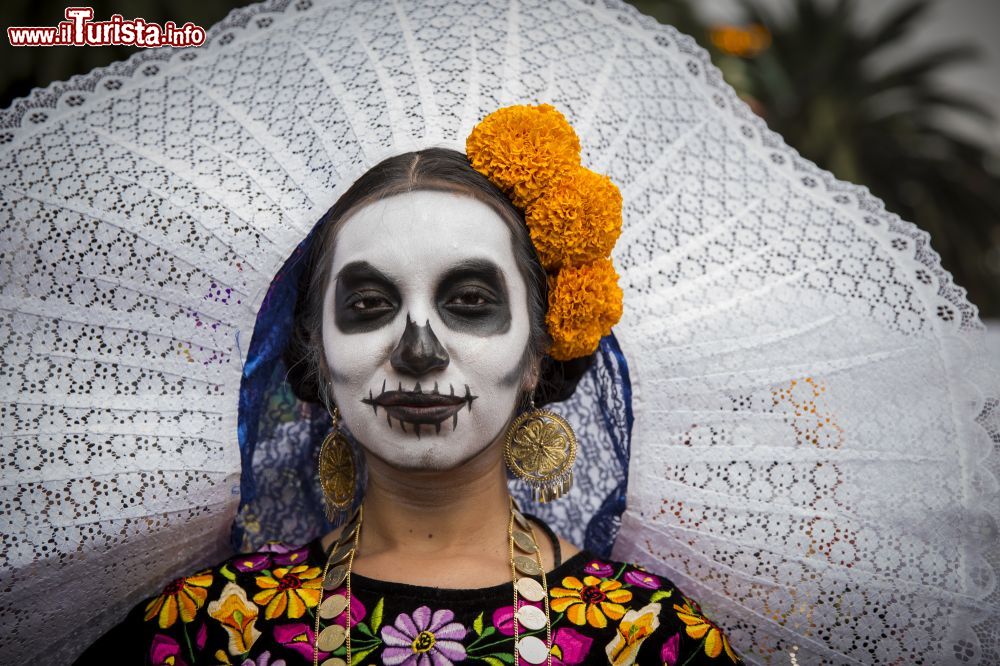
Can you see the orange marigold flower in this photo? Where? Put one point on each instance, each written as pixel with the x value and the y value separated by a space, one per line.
pixel 183 596
pixel 584 303
pixel 576 220
pixel 291 589
pixel 591 602
pixel 523 148
pixel 699 626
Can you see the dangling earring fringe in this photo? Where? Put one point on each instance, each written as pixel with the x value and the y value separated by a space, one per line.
pixel 336 470
pixel 540 449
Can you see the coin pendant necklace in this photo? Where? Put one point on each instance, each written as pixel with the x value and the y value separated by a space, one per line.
pixel 527 572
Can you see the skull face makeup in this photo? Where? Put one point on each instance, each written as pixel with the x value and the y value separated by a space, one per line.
pixel 425 328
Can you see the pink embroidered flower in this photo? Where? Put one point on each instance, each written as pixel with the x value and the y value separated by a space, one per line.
pixel 284 554
pixel 291 557
pixel 358 610
pixel 265 660
pixel 642 579
pixel 503 617
pixel 598 568
pixel 423 639
pixel 165 651
pixel 671 650
pixel 298 637
pixel 251 562
pixel 569 647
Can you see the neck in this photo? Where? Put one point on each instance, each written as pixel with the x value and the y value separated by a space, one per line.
pixel 460 510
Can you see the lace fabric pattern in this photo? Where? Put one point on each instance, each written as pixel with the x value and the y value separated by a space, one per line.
pixel 814 447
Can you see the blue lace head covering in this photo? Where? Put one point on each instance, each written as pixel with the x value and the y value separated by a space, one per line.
pixel 280 436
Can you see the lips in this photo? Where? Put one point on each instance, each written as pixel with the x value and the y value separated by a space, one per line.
pixel 418 407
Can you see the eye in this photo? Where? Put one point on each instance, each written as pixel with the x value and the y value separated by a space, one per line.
pixel 470 298
pixel 369 303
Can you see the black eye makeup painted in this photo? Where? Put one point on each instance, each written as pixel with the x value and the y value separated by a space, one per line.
pixel 472 297
pixel 364 300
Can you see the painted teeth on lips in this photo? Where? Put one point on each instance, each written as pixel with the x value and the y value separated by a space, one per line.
pixel 418 407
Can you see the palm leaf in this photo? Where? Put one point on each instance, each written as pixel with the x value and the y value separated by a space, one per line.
pixel 896 25
pixel 917 72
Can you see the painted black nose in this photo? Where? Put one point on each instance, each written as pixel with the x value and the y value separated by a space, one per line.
pixel 418 351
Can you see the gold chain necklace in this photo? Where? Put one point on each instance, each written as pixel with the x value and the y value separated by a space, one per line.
pixel 525 565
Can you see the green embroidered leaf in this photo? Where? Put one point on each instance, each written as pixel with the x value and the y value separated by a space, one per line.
pixel 187 639
pixel 376 618
pixel 492 661
pixel 504 657
pixel 488 631
pixel 227 573
pixel 661 594
pixel 356 657
pixel 477 625
pixel 364 629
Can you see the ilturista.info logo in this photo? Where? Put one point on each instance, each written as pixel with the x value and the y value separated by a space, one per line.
pixel 80 29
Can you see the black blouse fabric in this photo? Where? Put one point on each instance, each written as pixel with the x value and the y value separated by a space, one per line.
pixel 258 609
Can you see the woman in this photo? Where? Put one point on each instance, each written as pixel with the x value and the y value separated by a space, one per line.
pixel 423 323
pixel 801 437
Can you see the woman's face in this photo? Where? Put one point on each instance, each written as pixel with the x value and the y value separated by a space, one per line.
pixel 425 328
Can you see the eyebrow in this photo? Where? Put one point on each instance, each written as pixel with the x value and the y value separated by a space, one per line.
pixel 483 268
pixel 362 270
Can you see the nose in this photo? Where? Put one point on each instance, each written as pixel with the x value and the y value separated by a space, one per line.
pixel 418 350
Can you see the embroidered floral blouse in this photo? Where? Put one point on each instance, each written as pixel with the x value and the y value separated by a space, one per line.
pixel 258 609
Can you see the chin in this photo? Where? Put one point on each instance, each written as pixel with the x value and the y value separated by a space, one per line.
pixel 431 453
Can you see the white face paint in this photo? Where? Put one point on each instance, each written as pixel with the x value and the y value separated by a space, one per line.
pixel 425 294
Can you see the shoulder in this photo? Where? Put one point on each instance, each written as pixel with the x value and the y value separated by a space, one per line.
pixel 652 620
pixel 218 614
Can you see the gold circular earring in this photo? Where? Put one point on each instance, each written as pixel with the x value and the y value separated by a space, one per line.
pixel 336 470
pixel 540 449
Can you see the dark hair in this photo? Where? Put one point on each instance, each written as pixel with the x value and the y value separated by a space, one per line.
pixel 438 169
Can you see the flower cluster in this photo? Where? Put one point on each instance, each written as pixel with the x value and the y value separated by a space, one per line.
pixel 257 609
pixel 522 149
pixel 574 217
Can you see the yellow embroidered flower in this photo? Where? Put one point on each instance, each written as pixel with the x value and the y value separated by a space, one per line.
pixel 634 628
pixel 183 596
pixel 523 148
pixel 576 220
pixel 699 626
pixel 289 588
pixel 584 303
pixel 237 616
pixel 591 602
